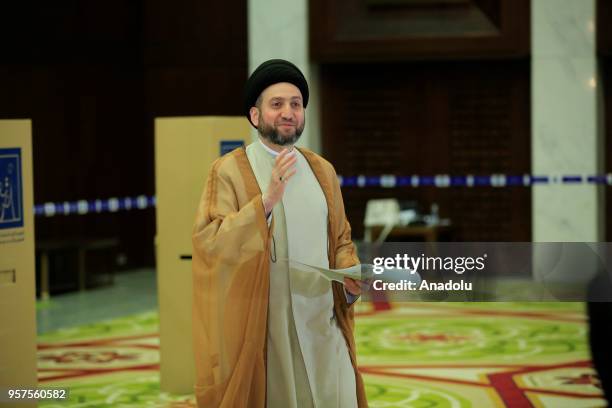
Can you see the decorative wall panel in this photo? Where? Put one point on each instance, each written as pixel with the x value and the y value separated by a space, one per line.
pixel 392 30
pixel 433 118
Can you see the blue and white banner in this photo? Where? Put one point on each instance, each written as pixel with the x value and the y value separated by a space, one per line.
pixel 469 180
pixel 142 202
pixel 82 207
pixel 11 186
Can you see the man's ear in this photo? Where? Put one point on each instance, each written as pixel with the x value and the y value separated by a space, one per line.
pixel 254 114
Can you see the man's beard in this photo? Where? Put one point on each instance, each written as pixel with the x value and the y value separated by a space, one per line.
pixel 271 134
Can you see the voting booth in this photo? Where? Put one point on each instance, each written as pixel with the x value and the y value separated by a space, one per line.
pixel 17 265
pixel 184 151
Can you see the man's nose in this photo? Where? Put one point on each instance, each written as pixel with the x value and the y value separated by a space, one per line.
pixel 287 112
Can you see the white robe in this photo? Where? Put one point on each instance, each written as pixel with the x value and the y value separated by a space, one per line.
pixel 307 359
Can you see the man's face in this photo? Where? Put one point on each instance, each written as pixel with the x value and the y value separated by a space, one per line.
pixel 280 116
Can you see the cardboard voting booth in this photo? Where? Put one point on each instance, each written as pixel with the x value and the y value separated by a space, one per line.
pixel 184 151
pixel 17 265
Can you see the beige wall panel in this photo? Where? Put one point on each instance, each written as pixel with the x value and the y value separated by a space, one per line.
pixel 184 150
pixel 17 266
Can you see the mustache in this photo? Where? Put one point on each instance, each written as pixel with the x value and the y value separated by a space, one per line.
pixel 270 133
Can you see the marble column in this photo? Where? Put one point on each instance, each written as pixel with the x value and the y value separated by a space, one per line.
pixel 279 29
pixel 566 138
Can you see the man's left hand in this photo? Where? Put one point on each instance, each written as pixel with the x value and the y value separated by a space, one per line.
pixel 353 286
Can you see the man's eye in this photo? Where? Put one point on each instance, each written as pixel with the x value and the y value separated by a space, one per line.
pixel 296 104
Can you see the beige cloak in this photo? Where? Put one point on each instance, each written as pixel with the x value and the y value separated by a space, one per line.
pixel 231 241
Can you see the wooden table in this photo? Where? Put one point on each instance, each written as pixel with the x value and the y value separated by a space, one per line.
pixel 82 247
pixel 428 233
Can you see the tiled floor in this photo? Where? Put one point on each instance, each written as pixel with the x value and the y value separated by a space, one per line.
pixel 132 292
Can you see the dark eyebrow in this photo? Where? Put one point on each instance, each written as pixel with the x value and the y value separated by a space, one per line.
pixel 280 98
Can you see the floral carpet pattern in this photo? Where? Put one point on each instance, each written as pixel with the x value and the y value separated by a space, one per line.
pixel 410 354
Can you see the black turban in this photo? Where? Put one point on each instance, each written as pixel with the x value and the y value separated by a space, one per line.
pixel 269 73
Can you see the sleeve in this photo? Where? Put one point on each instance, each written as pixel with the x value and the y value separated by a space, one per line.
pixel 345 251
pixel 269 217
pixel 223 230
pixel 350 298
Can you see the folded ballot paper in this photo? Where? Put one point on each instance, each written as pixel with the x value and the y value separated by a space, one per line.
pixel 362 272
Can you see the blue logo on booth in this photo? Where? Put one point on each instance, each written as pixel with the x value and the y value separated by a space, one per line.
pixel 11 198
pixel 229 145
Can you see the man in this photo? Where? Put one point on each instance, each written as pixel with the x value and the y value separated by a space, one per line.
pixel 267 333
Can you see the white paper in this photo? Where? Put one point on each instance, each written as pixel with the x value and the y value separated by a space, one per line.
pixel 362 272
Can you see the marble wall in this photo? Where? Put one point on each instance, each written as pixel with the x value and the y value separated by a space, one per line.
pixel 565 136
pixel 279 29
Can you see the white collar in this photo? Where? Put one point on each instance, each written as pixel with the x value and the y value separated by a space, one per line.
pixel 269 150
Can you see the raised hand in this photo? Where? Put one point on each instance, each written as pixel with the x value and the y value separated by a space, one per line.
pixel 284 169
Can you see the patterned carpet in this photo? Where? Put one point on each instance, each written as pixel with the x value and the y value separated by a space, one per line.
pixel 411 355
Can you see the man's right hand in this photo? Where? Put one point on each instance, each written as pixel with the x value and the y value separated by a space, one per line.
pixel 284 169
